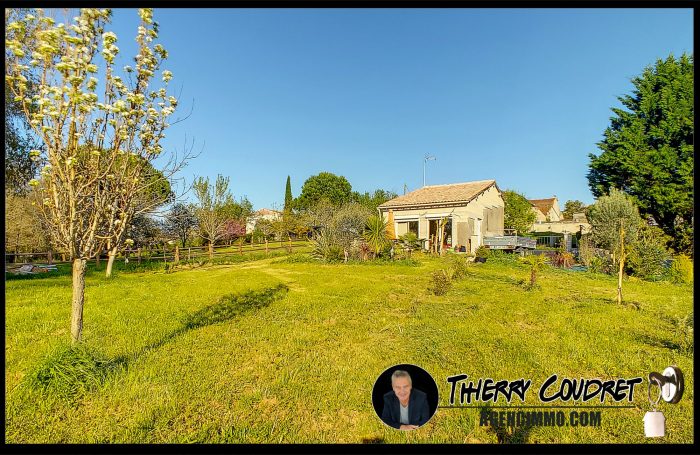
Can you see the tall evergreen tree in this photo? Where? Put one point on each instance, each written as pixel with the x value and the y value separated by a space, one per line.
pixel 647 151
pixel 288 195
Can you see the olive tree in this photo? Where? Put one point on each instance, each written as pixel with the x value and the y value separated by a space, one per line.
pixel 615 222
pixel 98 136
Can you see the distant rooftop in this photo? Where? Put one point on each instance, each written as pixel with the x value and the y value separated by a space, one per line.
pixel 543 205
pixel 441 194
pixel 267 212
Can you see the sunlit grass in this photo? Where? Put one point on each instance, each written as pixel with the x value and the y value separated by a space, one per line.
pixel 300 367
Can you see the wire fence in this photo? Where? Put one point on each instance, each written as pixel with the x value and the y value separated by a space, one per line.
pixel 165 253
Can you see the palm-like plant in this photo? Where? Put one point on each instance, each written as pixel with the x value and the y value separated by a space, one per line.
pixel 409 241
pixel 375 234
pixel 537 263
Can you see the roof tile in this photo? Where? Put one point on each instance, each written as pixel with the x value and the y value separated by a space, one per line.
pixel 440 194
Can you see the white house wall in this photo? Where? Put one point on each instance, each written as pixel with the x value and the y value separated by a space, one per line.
pixel 474 210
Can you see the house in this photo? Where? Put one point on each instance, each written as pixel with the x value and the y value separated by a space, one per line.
pixel 473 210
pixel 552 230
pixel 266 214
pixel 546 209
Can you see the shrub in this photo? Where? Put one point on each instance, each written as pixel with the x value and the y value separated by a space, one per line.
pixel 563 259
pixel 410 242
pixel 482 252
pixel 440 282
pixel 601 264
pixel 375 234
pixel 500 255
pixel 325 247
pixel 648 255
pixel 459 267
pixel 586 251
pixel 681 270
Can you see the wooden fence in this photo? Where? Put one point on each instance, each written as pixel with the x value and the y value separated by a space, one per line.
pixel 168 254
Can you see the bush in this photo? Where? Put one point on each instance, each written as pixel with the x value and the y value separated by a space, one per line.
pixel 409 242
pixel 601 264
pixel 482 252
pixel 586 251
pixel 648 256
pixel 501 255
pixel 440 282
pixel 681 270
pixel 563 259
pixel 326 249
pixel 459 266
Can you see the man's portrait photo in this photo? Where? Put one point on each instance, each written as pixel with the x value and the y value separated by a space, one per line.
pixel 411 399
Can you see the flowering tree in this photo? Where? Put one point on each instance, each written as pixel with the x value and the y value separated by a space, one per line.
pixel 97 146
pixel 233 229
pixel 215 206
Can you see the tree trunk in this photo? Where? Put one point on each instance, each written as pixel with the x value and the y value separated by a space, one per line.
pixel 177 254
pixel 622 265
pixel 442 238
pixel 266 246
pixel 97 259
pixel 240 246
pixel 50 258
pixel 211 251
pixel 290 243
pixel 138 252
pixel 110 261
pixel 76 319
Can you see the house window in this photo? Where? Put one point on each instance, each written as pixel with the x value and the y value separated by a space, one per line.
pixel 404 227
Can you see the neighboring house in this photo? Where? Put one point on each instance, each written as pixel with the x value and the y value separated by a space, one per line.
pixel 546 209
pixel 473 209
pixel 266 214
pixel 550 227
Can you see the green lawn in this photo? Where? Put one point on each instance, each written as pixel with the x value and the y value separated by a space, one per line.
pixel 299 366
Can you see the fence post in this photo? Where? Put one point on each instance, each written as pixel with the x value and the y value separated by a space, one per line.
pixel 97 258
pixel 189 253
pixel 177 254
pixel 50 256
pixel 138 255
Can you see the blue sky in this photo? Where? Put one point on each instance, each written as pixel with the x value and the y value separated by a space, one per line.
pixel 518 95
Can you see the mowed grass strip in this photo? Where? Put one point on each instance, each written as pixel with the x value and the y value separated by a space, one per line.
pixel 301 366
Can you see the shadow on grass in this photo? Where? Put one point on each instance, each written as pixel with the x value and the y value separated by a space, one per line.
pixel 682 344
pixel 71 371
pixel 506 434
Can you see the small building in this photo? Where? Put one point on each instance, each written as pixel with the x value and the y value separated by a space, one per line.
pixel 473 210
pixel 552 230
pixel 547 210
pixel 266 214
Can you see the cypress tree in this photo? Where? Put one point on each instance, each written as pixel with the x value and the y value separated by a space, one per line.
pixel 288 195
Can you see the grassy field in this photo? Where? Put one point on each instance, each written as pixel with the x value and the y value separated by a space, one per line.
pixel 280 351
